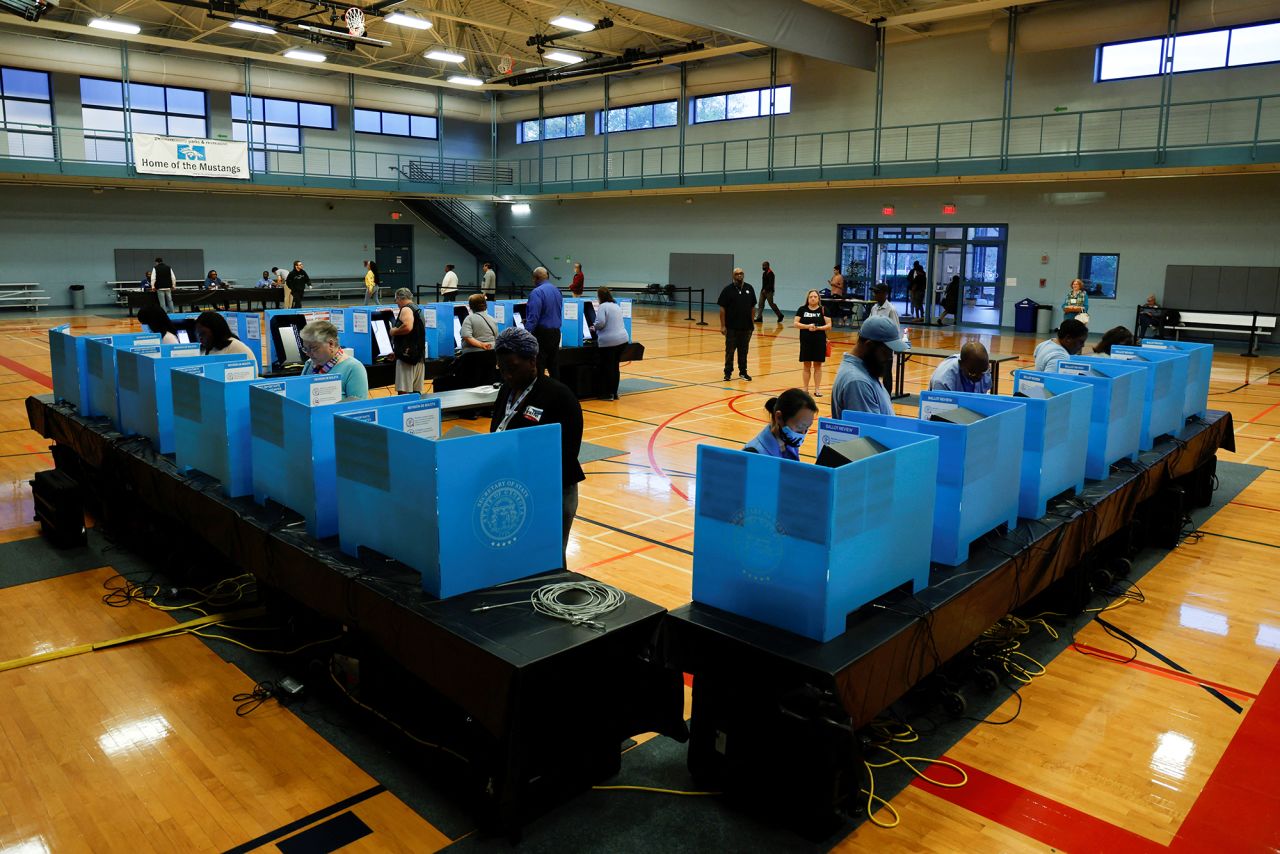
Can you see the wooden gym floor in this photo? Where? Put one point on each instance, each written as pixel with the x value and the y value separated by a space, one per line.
pixel 137 749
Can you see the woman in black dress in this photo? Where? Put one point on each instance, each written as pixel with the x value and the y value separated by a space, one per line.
pixel 813 324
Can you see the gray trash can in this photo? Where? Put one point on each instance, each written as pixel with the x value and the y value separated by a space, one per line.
pixel 77 297
pixel 1044 319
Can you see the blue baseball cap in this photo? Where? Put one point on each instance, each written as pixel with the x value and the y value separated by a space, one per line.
pixel 885 331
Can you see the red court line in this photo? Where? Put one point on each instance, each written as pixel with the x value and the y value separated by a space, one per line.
pixel 1186 678
pixel 1262 413
pixel 635 551
pixel 1043 819
pixel 653 438
pixel 30 373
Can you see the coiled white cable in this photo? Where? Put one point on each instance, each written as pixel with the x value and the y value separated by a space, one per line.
pixel 601 599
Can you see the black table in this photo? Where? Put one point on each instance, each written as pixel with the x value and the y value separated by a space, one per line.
pixel 223 298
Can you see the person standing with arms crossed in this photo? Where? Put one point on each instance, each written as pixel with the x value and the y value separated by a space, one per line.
pixel 737 321
pixel 813 324
pixel 297 282
pixel 543 317
pixel 163 281
pixel 766 293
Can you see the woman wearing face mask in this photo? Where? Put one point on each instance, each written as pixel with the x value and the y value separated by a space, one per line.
pixel 791 415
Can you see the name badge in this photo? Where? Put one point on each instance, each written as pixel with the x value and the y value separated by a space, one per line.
pixel 533 413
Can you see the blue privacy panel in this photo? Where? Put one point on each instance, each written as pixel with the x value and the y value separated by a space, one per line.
pixel 69 365
pixel 1199 369
pixel 1056 444
pixel 146 388
pixel 1115 422
pixel 277 353
pixel 509 312
pixel 442 322
pixel 100 362
pixel 979 467
pixel 211 422
pixel 571 322
pixel 1166 391
pixel 467 513
pixel 365 330
pixel 291 442
pixel 800 546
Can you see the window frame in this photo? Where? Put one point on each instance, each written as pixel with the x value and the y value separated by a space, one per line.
pixel 542 130
pixel 759 91
pixel 259 144
pixel 602 116
pixel 166 113
pixel 1080 274
pixel 435 122
pixel 1164 53
pixel 19 129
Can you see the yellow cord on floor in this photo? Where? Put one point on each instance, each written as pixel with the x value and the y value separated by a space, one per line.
pixel 652 789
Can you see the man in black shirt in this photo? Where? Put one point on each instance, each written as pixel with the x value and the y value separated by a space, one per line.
pixel 527 399
pixel 737 314
pixel 297 282
pixel 916 283
pixel 766 293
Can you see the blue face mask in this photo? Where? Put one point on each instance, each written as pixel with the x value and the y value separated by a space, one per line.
pixel 791 437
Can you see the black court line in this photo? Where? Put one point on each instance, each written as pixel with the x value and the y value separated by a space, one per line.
pixel 285 830
pixel 637 536
pixel 1213 692
pixel 338 832
pixel 1239 539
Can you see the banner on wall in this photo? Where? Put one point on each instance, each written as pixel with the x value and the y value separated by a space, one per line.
pixel 179 155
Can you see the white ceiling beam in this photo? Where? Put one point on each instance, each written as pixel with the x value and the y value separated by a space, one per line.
pixel 978 7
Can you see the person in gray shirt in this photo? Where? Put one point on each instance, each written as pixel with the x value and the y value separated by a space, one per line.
pixel 490 283
pixel 479 330
pixel 611 340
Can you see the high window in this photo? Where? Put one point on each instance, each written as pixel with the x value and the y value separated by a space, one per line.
pixel 751 104
pixel 663 114
pixel 1254 44
pixel 395 124
pixel 555 127
pixel 276 125
pixel 164 110
pixel 26 113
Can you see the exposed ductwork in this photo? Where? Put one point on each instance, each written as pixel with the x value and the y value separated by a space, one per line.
pixel 1069 25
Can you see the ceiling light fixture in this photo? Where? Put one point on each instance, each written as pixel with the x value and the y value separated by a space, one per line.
pixel 445 56
pixel 304 55
pixel 464 80
pixel 520 208
pixel 570 23
pixel 563 57
pixel 115 26
pixel 403 20
pixel 252 27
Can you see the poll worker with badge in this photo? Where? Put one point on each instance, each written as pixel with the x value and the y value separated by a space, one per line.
pixel 527 399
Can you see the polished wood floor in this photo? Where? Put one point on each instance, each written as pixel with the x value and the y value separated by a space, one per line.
pixel 137 749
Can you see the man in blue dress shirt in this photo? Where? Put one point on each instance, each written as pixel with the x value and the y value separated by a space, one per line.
pixel 857 386
pixel 543 318
pixel 969 371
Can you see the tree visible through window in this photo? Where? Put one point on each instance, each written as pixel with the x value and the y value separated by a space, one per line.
pixel 1099 272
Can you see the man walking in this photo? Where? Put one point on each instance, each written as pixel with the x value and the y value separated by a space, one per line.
pixel 737 309
pixel 449 284
pixel 489 286
pixel 163 282
pixel 766 293
pixel 297 282
pixel 543 318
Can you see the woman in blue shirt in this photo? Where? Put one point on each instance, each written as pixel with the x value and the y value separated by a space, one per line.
pixel 791 415
pixel 1077 302
pixel 325 355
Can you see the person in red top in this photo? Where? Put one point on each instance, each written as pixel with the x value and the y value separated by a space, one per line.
pixel 579 281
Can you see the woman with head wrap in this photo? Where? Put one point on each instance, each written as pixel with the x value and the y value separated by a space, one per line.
pixel 526 399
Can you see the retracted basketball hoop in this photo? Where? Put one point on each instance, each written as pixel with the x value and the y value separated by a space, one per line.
pixel 355 21
pixel 506 64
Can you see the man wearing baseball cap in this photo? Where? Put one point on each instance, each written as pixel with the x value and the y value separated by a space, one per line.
pixel 857 386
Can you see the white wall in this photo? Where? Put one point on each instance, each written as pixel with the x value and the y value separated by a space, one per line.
pixel 1151 223
pixel 59 237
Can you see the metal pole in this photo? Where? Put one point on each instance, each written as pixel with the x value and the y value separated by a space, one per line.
pixel 128 116
pixel 1253 339
pixel 682 114
pixel 773 85
pixel 689 295
pixel 248 111
pixel 875 160
pixel 351 122
pixel 604 127
pixel 1007 115
pixel 702 305
pixel 440 136
pixel 542 132
pixel 493 140
pixel 1166 82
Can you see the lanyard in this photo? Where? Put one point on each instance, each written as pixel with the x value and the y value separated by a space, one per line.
pixel 513 405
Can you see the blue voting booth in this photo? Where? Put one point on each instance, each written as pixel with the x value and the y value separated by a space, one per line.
pixel 1166 390
pixel 509 312
pixel 100 361
pixel 467 512
pixel 69 365
pixel 442 322
pixel 979 466
pixel 291 442
pixel 800 546
pixel 573 322
pixel 1054 448
pixel 1115 422
pixel 1199 369
pixel 146 388
pixel 366 331
pixel 211 422
pixel 283 328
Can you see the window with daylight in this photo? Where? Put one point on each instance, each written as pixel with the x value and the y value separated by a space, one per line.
pixel 26 113
pixel 663 114
pixel 751 104
pixel 395 124
pixel 554 127
pixel 163 110
pixel 276 125
pixel 1099 274
pixel 1255 44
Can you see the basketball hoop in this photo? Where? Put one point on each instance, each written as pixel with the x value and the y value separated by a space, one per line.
pixel 355 21
pixel 506 64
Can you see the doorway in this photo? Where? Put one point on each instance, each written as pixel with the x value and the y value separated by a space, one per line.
pixel 393 250
pixel 948 261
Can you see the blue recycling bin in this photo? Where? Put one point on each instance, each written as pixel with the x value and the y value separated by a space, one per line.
pixel 1024 315
pixel 800 546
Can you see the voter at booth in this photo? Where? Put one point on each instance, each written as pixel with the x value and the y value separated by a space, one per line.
pixel 217 339
pixel 1115 336
pixel 969 370
pixel 526 398
pixel 325 355
pixel 791 415
pixel 409 342
pixel 857 386
pixel 157 320
pixel 1070 341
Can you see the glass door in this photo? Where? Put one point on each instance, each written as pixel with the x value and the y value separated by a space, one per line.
pixel 947 262
pixel 855 261
pixel 983 284
pixel 893 263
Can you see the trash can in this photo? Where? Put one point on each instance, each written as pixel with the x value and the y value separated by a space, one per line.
pixel 77 297
pixel 1044 319
pixel 1024 316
